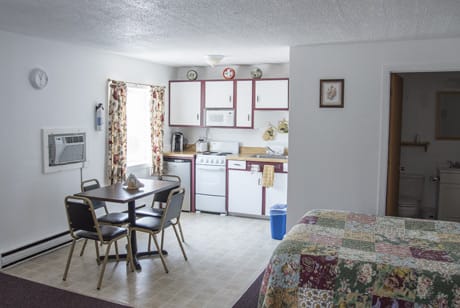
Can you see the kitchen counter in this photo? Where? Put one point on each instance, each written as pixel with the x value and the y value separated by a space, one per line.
pixel 251 158
pixel 187 154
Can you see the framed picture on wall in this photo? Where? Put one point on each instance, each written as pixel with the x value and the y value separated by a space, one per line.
pixel 331 93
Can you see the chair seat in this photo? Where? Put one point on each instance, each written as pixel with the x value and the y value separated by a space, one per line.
pixel 150 211
pixel 108 233
pixel 150 223
pixel 114 218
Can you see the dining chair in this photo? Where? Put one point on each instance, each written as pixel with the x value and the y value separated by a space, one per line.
pixel 115 218
pixel 83 224
pixel 154 225
pixel 161 199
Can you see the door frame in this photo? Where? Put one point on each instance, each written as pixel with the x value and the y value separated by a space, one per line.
pixel 387 70
pixel 394 143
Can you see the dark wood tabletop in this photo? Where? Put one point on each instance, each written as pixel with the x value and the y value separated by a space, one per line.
pixel 121 194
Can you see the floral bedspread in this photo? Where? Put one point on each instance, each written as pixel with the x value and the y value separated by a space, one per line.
pixel 345 259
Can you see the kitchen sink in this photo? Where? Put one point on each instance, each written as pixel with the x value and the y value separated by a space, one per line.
pixel 278 156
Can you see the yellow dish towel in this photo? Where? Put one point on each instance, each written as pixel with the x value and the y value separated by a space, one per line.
pixel 268 176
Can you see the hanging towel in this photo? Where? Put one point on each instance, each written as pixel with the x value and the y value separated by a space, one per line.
pixel 268 176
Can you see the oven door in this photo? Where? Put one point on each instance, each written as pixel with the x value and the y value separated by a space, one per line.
pixel 210 180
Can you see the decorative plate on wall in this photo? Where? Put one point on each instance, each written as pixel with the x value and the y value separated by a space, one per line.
pixel 228 73
pixel 192 75
pixel 256 73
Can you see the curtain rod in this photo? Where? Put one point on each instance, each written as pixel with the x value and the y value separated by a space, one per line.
pixel 134 83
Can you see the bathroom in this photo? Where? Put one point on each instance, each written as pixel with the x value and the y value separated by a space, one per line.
pixel 423 152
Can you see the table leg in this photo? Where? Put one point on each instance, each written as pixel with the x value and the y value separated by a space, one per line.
pixel 132 221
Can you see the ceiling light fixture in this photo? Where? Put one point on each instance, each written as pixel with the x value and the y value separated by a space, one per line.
pixel 213 60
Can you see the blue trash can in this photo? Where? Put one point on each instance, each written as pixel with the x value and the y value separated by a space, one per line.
pixel 278 220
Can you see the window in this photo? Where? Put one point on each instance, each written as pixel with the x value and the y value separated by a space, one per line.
pixel 138 126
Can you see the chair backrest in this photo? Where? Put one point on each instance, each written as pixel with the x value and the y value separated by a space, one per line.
pixel 80 215
pixel 163 195
pixel 90 185
pixel 174 205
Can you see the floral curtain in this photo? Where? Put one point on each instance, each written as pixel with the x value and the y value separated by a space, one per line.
pixel 117 137
pixel 156 122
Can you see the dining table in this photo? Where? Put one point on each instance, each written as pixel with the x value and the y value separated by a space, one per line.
pixel 120 193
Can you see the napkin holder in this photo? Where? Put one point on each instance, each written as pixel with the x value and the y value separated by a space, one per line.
pixel 132 182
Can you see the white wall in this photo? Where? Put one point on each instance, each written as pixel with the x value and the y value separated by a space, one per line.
pixel 32 205
pixel 418 118
pixel 338 157
pixel 262 118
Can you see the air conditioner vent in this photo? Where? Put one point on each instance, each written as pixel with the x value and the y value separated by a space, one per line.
pixel 66 148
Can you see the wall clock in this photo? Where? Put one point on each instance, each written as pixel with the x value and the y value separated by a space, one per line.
pixel 228 73
pixel 38 78
pixel 192 75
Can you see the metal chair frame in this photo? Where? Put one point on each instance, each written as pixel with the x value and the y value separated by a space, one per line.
pixel 83 223
pixel 90 185
pixel 171 212
pixel 161 198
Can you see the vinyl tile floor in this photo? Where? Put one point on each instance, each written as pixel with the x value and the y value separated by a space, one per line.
pixel 225 255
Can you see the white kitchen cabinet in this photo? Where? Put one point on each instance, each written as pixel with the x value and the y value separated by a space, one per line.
pixel 449 195
pixel 272 94
pixel 218 94
pixel 185 103
pixel 244 192
pixel 277 194
pixel 244 113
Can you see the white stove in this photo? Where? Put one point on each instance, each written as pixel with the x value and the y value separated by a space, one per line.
pixel 210 176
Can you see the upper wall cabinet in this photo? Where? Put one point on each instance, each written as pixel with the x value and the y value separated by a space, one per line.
pixel 218 94
pixel 185 103
pixel 244 111
pixel 272 94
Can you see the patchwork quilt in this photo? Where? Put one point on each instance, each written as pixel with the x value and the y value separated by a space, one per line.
pixel 345 259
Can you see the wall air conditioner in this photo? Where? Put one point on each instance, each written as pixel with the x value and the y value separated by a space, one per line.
pixel 67 148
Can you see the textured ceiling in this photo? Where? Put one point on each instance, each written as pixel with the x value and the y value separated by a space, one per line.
pixel 183 32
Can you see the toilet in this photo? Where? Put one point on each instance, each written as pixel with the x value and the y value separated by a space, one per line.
pixel 410 194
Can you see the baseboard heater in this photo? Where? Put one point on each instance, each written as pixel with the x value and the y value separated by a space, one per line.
pixel 28 251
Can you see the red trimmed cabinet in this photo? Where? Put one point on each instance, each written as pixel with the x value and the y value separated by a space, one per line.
pixel 189 100
pixel 271 94
pixel 185 99
pixel 245 193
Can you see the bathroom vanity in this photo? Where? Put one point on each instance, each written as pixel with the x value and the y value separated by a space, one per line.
pixel 449 194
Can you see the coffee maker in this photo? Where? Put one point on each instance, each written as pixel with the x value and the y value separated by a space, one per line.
pixel 177 142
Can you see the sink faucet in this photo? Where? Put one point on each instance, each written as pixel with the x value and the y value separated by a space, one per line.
pixel 269 150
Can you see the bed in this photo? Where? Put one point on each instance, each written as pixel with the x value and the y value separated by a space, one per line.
pixel 344 259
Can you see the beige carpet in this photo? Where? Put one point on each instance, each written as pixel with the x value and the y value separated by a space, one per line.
pixel 226 254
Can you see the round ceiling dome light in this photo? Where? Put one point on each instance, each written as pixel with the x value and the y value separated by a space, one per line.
pixel 213 60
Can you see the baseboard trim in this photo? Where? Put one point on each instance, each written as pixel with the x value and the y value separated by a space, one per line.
pixel 33 249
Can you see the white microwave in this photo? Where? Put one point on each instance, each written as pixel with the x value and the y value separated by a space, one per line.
pixel 220 117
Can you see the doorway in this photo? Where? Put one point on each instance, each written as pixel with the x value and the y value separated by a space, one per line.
pixel 412 147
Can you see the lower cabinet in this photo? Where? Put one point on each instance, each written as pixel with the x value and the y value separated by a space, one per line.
pixel 449 195
pixel 245 193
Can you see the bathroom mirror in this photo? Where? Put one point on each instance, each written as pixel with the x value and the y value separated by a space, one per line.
pixel 448 115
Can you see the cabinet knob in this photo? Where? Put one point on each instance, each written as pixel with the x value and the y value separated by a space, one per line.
pixel 230 98
pixel 197 116
pixel 249 117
